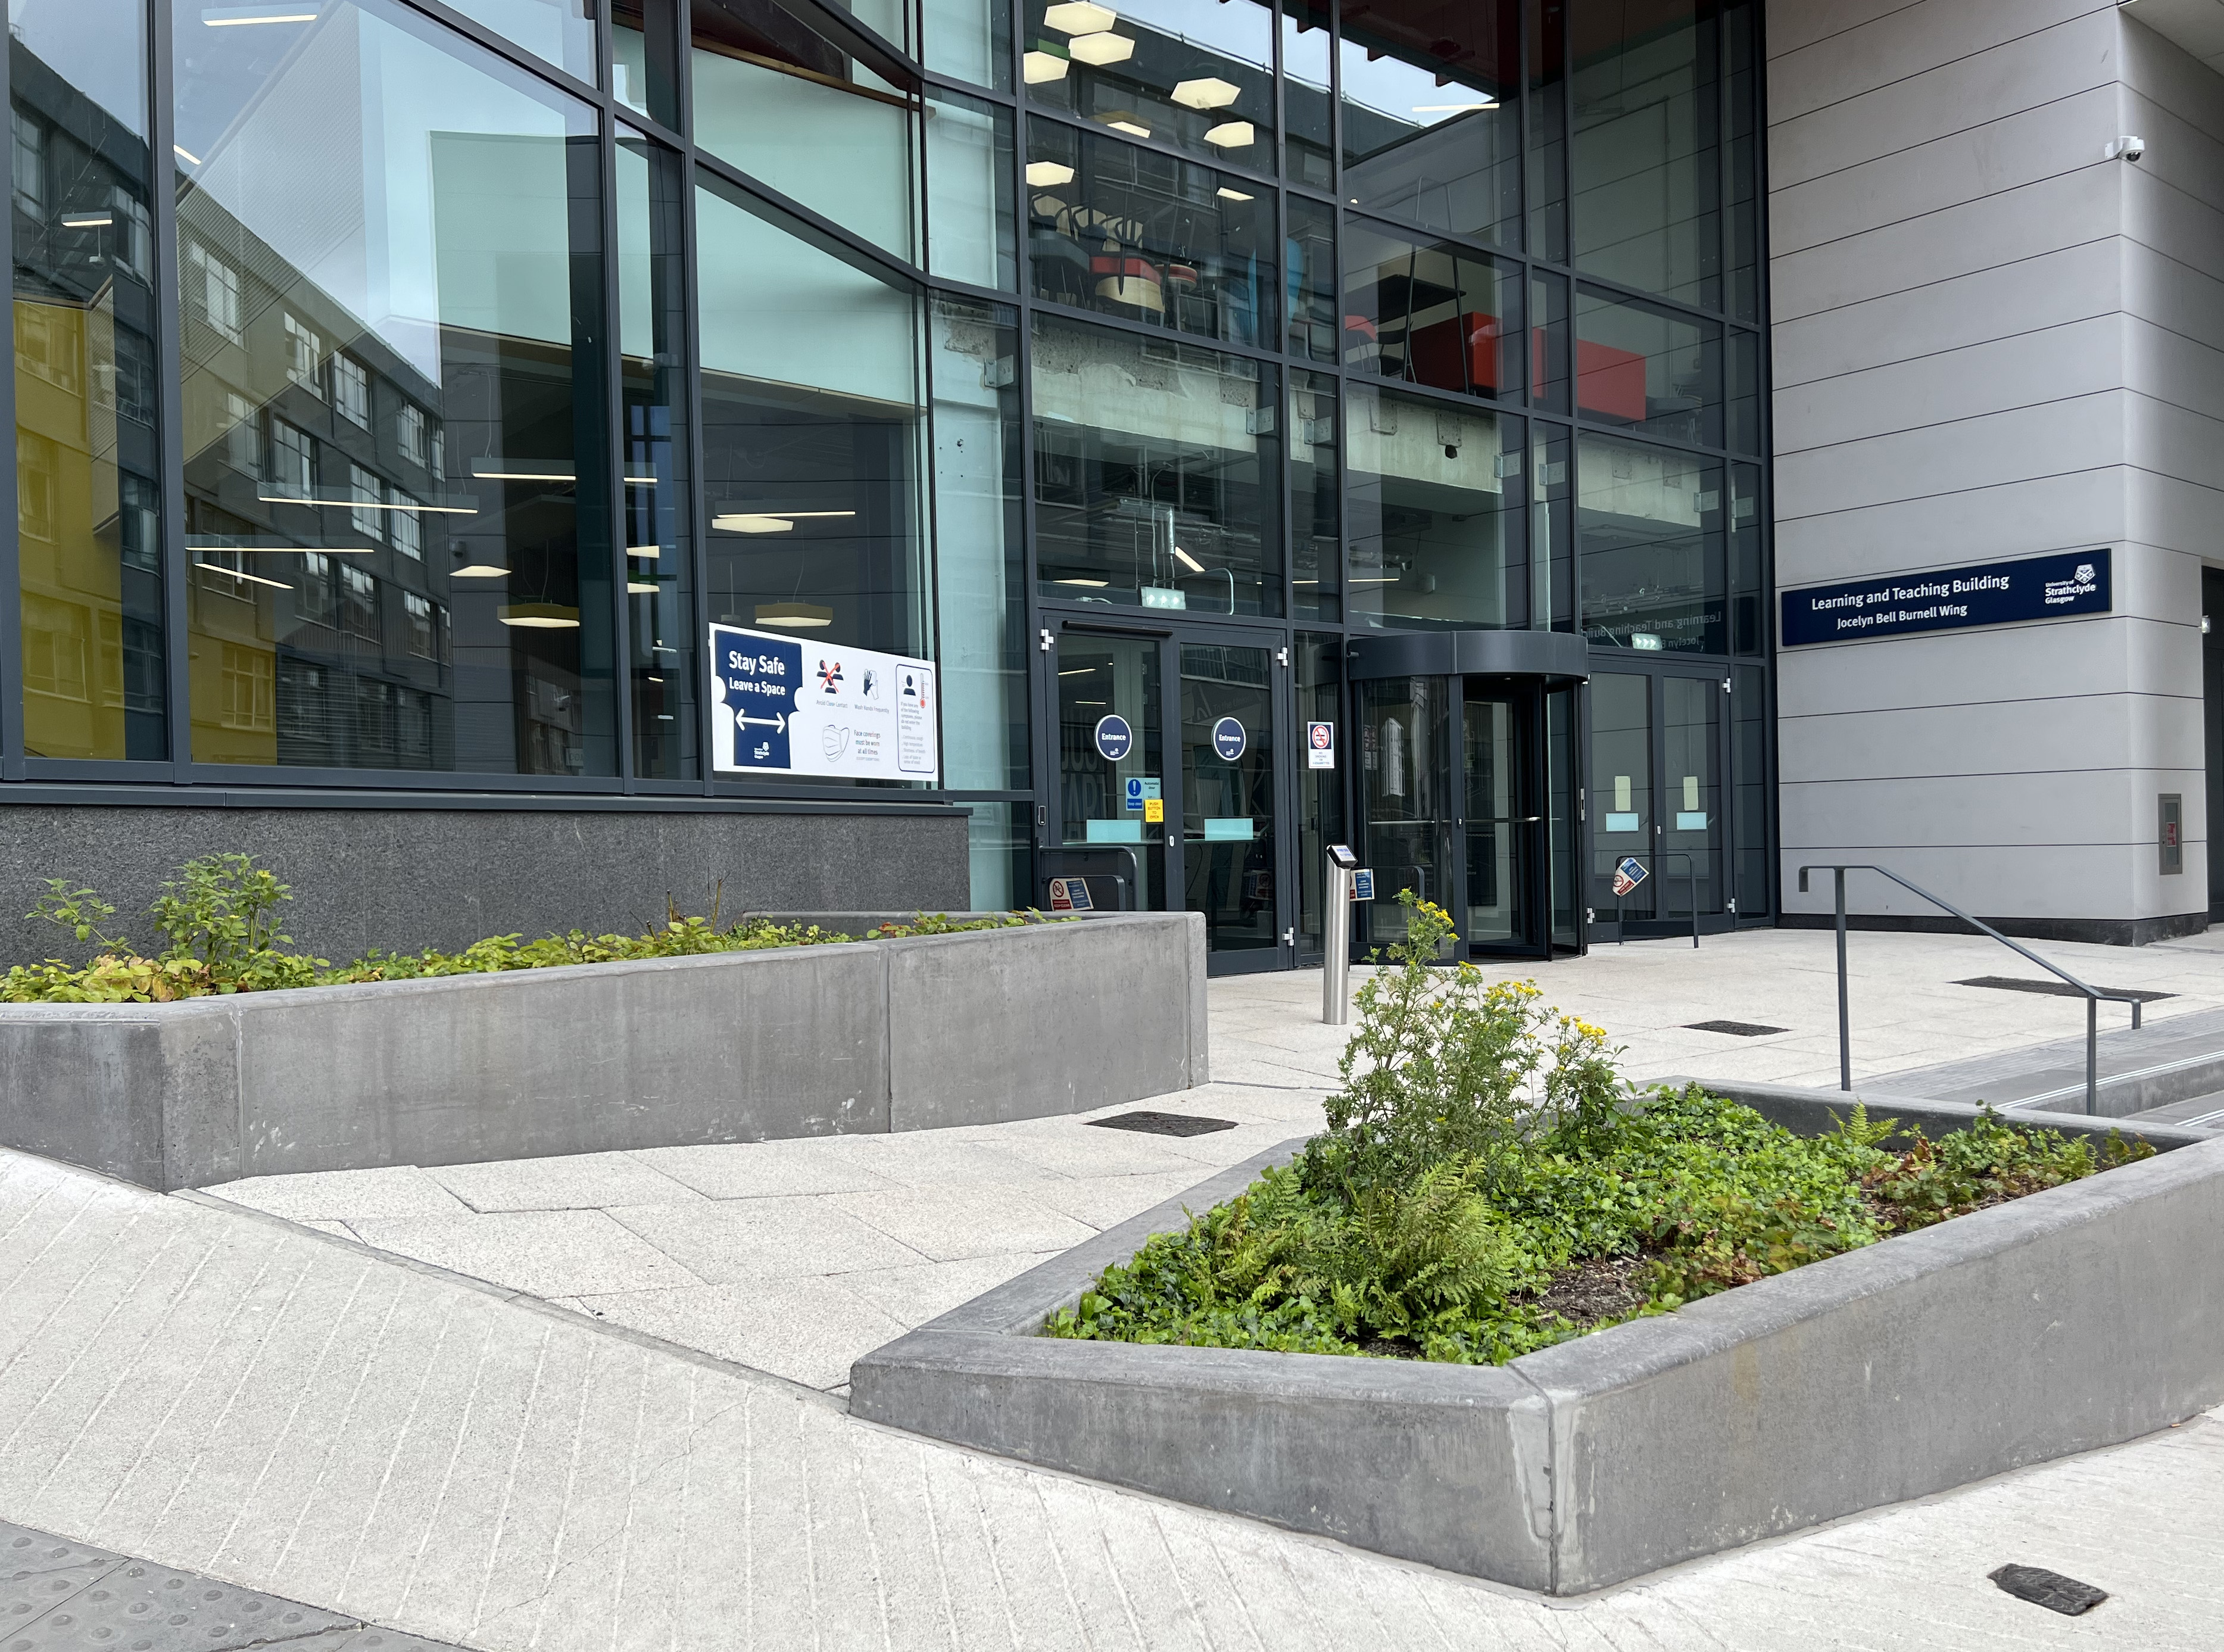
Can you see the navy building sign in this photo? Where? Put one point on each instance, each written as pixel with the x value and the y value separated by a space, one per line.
pixel 1993 593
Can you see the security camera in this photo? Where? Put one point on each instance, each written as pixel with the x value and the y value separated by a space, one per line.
pixel 2126 149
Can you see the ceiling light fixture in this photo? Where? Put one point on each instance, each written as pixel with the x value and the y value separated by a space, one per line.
pixel 369 504
pixel 1093 584
pixel 1232 135
pixel 1043 174
pixel 1211 93
pixel 1079 17
pixel 86 221
pixel 741 523
pixel 651 552
pixel 526 470
pixel 242 16
pixel 1187 560
pixel 1038 67
pixel 189 159
pixel 538 616
pixel 1454 109
pixel 794 616
pixel 252 579
pixel 1097 50
pixel 1133 128
pixel 1226 194
pixel 641 587
pixel 480 571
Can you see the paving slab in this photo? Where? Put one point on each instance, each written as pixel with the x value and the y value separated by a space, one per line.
pixel 543 1253
pixel 723 1242
pixel 340 1195
pixel 807 1330
pixel 576 1182
pixel 760 1169
pixel 950 1224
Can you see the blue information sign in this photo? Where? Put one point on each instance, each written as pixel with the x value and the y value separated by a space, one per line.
pixel 1114 737
pixel 1990 593
pixel 1227 739
pixel 1363 885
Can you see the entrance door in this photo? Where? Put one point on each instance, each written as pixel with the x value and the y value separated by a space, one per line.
pixel 1502 818
pixel 1169 795
pixel 1657 743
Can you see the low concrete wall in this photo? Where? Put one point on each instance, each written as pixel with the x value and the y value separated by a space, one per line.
pixel 871 1035
pixel 2079 1317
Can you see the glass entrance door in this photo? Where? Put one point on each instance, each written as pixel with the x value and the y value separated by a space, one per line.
pixel 1111 747
pixel 1657 789
pixel 1501 818
pixel 1406 788
pixel 1230 849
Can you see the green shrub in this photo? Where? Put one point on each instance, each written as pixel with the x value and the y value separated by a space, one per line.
pixel 218 916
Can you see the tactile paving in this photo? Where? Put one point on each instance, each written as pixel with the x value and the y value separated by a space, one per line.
pixel 141 1607
pixel 23 1551
pixel 30 1596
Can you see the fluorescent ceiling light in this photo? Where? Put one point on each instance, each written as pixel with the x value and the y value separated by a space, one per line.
pixel 1187 560
pixel 1101 49
pixel 1079 17
pixel 1453 109
pixel 1232 135
pixel 85 220
pixel 1094 585
pixel 1036 68
pixel 241 17
pixel 480 571
pixel 750 524
pixel 538 616
pixel 1211 93
pixel 641 481
pixel 641 587
pixel 367 504
pixel 526 470
pixel 1226 194
pixel 1042 174
pixel 1386 580
pixel 1133 128
pixel 298 550
pixel 794 616
pixel 189 159
pixel 1080 671
pixel 252 579
pixel 650 551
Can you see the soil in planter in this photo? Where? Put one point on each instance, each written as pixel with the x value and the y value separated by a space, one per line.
pixel 1563 1231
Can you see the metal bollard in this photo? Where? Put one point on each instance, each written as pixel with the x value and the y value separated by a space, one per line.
pixel 1335 945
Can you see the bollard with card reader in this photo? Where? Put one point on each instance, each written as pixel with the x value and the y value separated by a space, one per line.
pixel 1347 881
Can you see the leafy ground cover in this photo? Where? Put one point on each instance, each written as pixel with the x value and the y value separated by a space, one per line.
pixel 217 921
pixel 1488 1186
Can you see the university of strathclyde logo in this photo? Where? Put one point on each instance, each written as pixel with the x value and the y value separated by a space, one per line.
pixel 2085 573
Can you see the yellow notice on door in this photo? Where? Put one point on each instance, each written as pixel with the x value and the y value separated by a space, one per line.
pixel 1154 811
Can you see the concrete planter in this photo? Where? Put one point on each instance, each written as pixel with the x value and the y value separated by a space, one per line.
pixel 2076 1317
pixel 872 1035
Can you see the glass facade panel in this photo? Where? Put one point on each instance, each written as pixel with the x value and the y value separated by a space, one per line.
pixel 561 32
pixel 645 58
pixel 1434 543
pixel 811 435
pixel 1432 113
pixel 1195 78
pixel 969 192
pixel 1405 790
pixel 1319 665
pixel 653 459
pixel 1315 521
pixel 1621 792
pixel 1745 402
pixel 1743 205
pixel 1548 132
pixel 1552 529
pixel 981 573
pixel 1309 252
pixel 1647 369
pixel 396 496
pixel 1114 227
pixel 1432 314
pixel 1748 568
pixel 1647 178
pixel 1229 850
pixel 1155 473
pixel 999 851
pixel 88 493
pixel 1100 677
pixel 1308 93
pixel 1750 726
pixel 967 40
pixel 1651 525
pixel 791 108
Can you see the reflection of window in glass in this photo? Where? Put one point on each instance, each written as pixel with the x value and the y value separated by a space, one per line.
pixel 1196 78
pixel 1316 524
pixel 1651 524
pixel 644 58
pixel 1154 473
pixel 305 352
pixel 1745 402
pixel 969 191
pixel 967 40
pixel 1743 205
pixel 1309 252
pixel 1435 512
pixel 1548 140
pixel 810 432
pixel 980 575
pixel 29 163
pixel 1748 574
pixel 424 622
pixel 1645 163
pixel 213 287
pixel 438 283
pixel 1647 369
pixel 243 436
pixel 1141 235
pixel 1436 314
pixel 561 32
pixel 249 695
pixel 1432 114
pixel 351 390
pixel 1306 94
pixel 793 109
pixel 86 383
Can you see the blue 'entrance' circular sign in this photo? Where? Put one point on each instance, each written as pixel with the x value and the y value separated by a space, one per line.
pixel 1227 739
pixel 1114 737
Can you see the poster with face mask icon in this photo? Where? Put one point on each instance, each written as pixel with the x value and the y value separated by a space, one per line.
pixel 789 706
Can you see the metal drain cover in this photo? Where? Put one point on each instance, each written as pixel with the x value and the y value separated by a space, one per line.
pixel 2049 1589
pixel 1734 1028
pixel 1165 1123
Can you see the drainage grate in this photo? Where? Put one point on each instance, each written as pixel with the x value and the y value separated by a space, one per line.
pixel 1165 1123
pixel 2049 1589
pixel 1734 1028
pixel 2056 988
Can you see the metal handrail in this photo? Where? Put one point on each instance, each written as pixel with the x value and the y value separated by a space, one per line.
pixel 2093 996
